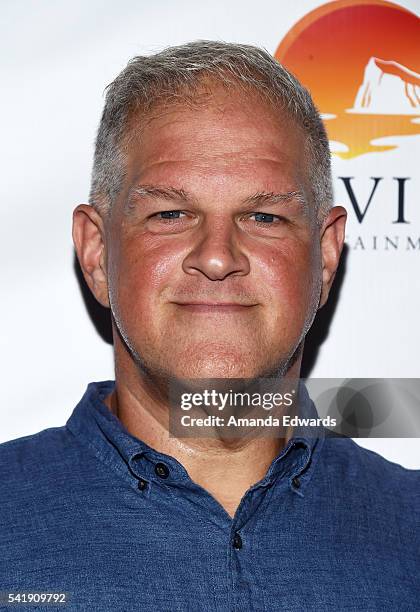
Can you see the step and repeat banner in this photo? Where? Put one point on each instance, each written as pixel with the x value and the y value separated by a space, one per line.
pixel 361 62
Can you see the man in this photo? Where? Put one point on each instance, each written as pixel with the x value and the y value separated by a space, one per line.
pixel 212 238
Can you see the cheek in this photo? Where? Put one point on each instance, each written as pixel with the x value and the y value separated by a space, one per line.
pixel 141 269
pixel 289 271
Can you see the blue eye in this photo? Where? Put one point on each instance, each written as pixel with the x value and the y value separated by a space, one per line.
pixel 170 214
pixel 264 217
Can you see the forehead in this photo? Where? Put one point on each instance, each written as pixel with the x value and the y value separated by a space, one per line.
pixel 228 133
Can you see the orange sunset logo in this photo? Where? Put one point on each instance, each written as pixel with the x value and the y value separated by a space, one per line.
pixel 361 62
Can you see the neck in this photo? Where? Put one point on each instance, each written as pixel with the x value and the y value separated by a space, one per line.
pixel 225 468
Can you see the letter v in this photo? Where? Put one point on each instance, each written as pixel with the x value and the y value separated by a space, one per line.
pixel 359 214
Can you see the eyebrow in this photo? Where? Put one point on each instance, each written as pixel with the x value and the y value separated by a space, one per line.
pixel 271 198
pixel 173 194
pixel 165 193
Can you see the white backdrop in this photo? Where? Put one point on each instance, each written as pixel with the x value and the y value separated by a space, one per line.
pixel 56 60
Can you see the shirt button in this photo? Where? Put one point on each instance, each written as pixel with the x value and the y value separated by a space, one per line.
pixel 161 470
pixel 237 541
pixel 296 482
pixel 142 484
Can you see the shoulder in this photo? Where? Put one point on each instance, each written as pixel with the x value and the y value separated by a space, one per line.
pixel 42 474
pixel 353 465
pixel 51 437
pixel 28 456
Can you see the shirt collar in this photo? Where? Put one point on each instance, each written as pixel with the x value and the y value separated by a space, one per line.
pixel 98 428
pixel 298 458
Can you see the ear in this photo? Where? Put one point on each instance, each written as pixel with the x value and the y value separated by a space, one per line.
pixel 89 242
pixel 332 241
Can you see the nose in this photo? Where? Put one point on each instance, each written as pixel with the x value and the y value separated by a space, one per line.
pixel 217 253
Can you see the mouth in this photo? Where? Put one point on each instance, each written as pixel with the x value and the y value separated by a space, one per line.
pixel 214 307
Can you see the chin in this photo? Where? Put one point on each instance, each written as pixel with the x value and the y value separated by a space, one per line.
pixel 216 361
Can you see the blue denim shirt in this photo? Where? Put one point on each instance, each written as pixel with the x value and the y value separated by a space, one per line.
pixel 90 510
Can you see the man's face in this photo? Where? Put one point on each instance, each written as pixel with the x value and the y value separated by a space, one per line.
pixel 209 273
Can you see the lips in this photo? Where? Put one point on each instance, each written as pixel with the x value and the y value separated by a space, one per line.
pixel 214 307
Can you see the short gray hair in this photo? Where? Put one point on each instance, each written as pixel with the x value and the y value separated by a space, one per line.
pixel 172 76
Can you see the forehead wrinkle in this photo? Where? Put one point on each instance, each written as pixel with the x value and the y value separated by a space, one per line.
pixel 250 155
